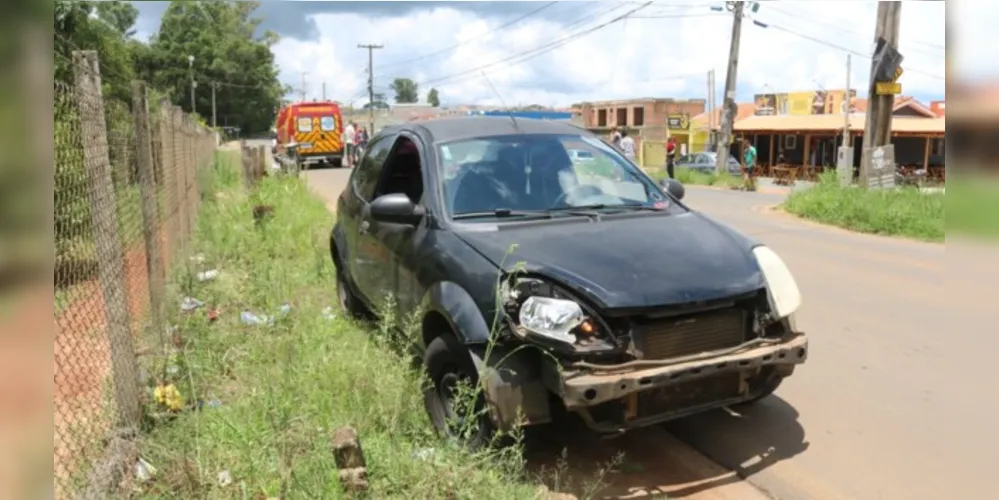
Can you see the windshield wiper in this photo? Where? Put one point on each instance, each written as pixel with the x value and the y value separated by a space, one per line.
pixel 582 209
pixel 502 213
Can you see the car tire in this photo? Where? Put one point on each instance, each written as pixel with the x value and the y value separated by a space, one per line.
pixel 446 362
pixel 767 387
pixel 349 302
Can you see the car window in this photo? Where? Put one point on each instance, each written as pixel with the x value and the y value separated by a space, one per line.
pixel 366 175
pixel 305 124
pixel 536 172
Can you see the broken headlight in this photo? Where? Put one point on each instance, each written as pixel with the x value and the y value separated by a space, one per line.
pixel 552 318
pixel 547 314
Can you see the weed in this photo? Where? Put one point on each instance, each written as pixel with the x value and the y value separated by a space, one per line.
pixel 285 386
pixel 897 212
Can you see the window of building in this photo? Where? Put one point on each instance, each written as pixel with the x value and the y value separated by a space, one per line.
pixel 602 118
pixel 638 116
pixel 622 117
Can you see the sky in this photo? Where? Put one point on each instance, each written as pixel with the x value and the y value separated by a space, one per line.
pixel 558 53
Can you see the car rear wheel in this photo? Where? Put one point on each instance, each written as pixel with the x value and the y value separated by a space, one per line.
pixel 456 408
pixel 348 300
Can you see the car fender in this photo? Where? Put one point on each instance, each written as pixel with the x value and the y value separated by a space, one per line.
pixel 512 385
pixel 455 304
pixel 338 244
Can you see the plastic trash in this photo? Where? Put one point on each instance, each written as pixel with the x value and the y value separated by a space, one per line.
pixel 208 275
pixel 144 471
pixel 172 370
pixel 328 313
pixel 284 309
pixel 424 454
pixel 225 478
pixel 197 258
pixel 190 304
pixel 249 318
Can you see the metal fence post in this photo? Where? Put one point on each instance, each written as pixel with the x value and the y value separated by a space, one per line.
pixel 147 190
pixel 86 73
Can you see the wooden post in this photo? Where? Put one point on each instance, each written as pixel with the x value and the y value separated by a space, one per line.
pixel 926 154
pixel 181 173
pixel 807 159
pixel 86 74
pixel 773 138
pixel 147 189
pixel 349 459
pixel 168 169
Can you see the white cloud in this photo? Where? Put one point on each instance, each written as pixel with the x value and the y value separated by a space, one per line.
pixel 665 56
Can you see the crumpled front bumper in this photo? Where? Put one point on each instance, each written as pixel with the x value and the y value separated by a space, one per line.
pixel 584 387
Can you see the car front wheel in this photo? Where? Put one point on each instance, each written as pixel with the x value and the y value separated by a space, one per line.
pixel 457 409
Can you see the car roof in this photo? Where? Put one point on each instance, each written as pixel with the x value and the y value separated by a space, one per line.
pixel 472 127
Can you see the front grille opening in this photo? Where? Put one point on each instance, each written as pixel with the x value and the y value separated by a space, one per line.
pixel 695 334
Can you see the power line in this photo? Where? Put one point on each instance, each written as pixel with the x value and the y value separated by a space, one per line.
pixel 459 44
pixel 837 46
pixel 537 51
pixel 819 21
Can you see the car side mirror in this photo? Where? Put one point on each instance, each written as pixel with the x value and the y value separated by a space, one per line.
pixel 396 208
pixel 673 187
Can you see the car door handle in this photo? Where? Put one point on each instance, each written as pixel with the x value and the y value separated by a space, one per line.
pixel 363 228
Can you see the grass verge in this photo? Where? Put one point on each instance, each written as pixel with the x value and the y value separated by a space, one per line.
pixel 973 206
pixel 696 178
pixel 894 212
pixel 272 394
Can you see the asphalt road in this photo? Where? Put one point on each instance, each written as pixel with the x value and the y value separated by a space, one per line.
pixel 894 401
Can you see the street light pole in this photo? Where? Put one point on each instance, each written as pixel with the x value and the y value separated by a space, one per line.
pixel 190 70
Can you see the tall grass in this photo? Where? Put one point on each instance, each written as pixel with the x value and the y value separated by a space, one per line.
pixel 276 392
pixel 698 178
pixel 897 212
pixel 973 206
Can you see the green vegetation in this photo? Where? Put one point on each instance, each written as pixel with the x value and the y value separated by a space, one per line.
pixel 406 90
pixel 896 212
pixel 973 206
pixel 222 36
pixel 696 178
pixel 283 388
pixel 433 98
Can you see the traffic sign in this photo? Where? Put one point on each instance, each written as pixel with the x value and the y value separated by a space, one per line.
pixel 898 73
pixel 888 88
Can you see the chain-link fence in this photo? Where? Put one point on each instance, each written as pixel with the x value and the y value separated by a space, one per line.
pixel 126 194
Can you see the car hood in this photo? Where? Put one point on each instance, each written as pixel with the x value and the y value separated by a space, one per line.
pixel 630 261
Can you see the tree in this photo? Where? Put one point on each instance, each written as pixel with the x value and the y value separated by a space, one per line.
pixel 223 38
pixel 433 99
pixel 406 90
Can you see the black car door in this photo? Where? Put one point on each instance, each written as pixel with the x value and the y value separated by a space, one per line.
pixel 356 221
pixel 394 247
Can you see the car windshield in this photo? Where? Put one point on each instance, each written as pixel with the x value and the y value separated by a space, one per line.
pixel 534 174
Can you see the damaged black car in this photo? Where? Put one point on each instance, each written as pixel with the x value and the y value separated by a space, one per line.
pixel 557 284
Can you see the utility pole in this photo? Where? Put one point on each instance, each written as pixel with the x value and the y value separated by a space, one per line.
pixel 324 90
pixel 371 82
pixel 729 107
pixel 303 73
pixel 877 127
pixel 711 106
pixel 214 122
pixel 847 102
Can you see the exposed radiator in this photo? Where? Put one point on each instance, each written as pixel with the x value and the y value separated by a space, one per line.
pixel 669 338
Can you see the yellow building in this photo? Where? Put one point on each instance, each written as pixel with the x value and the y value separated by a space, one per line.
pixel 800 103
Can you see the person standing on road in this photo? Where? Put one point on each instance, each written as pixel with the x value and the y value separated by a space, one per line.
pixel 749 158
pixel 349 136
pixel 362 141
pixel 615 138
pixel 670 156
pixel 627 146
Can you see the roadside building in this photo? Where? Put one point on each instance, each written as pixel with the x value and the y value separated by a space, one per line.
pixel 648 120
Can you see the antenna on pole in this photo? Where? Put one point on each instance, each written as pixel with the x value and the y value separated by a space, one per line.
pixel 516 126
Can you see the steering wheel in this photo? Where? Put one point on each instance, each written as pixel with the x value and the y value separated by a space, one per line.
pixel 594 191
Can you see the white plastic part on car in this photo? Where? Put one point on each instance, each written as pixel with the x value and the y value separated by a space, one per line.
pixel 785 297
pixel 552 318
